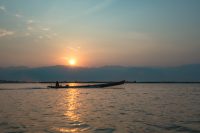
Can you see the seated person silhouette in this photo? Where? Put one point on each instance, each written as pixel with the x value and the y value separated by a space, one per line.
pixel 57 84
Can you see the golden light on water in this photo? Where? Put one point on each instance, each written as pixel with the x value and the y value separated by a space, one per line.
pixel 68 130
pixel 72 104
pixel 71 107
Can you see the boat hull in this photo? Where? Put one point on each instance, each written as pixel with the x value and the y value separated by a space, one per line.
pixel 91 86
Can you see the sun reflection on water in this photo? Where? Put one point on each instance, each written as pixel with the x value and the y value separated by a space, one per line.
pixel 72 105
pixel 68 130
pixel 71 110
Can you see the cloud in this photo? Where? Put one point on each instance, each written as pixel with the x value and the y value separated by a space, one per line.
pixel 45 29
pixel 27 34
pixel 5 33
pixel 99 7
pixel 75 49
pixel 2 8
pixel 18 16
pixel 29 28
pixel 55 34
pixel 40 37
pixel 138 35
pixel 30 21
pixel 48 36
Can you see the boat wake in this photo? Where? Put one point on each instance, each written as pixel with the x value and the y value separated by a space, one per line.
pixel 31 88
pixel 42 88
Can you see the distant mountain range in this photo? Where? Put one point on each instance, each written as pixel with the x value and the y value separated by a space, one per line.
pixel 186 73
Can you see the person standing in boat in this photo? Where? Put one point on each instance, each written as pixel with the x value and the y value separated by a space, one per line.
pixel 57 84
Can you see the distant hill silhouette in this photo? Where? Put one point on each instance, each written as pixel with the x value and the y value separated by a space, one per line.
pixel 190 73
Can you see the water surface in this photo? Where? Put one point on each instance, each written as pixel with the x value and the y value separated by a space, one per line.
pixel 130 108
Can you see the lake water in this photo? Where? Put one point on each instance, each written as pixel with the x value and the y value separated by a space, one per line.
pixel 130 108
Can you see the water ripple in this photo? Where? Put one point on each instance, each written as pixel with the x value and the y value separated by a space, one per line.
pixel 104 130
pixel 72 127
pixel 139 108
pixel 175 127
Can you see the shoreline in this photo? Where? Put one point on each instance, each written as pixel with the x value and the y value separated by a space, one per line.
pixel 135 82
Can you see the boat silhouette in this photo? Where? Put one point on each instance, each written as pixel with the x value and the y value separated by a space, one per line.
pixel 90 86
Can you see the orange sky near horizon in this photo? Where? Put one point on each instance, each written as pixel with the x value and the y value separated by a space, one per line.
pixel 99 33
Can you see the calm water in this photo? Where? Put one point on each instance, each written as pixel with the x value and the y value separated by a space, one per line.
pixel 130 108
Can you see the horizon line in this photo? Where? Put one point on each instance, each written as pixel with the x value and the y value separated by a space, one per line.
pixel 150 66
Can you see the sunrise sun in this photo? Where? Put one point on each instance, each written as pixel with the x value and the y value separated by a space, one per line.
pixel 72 62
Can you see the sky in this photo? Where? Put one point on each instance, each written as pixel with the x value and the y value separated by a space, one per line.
pixel 99 32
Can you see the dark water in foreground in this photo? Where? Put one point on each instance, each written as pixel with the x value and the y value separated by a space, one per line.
pixel 130 108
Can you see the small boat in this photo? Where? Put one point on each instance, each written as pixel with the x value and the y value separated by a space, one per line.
pixel 91 86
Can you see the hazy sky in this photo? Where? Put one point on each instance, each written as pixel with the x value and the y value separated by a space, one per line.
pixel 99 32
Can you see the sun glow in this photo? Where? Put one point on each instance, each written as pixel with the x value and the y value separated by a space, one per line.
pixel 72 62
